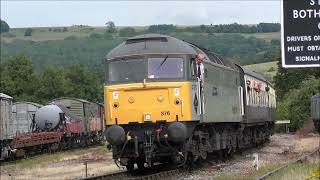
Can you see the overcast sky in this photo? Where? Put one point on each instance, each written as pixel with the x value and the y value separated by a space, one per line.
pixel 137 13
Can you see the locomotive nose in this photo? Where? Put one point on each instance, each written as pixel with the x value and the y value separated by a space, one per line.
pixel 115 135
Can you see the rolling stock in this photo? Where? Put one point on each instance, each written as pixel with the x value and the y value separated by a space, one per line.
pixel 163 106
pixel 63 124
pixel 315 111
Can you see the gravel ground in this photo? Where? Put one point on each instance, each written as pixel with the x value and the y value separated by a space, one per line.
pixel 69 165
pixel 61 165
pixel 281 149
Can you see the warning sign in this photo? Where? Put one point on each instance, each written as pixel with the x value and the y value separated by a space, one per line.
pixel 300 33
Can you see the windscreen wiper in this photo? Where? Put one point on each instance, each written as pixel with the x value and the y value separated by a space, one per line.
pixel 164 60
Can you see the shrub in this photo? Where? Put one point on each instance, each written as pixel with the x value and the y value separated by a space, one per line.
pixel 271 69
pixel 8 35
pixel 28 32
pixel 297 103
pixel 95 36
pixel 4 27
pixel 70 38
pixel 127 32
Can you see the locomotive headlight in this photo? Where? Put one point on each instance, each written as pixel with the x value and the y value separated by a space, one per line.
pixel 147 117
pixel 177 101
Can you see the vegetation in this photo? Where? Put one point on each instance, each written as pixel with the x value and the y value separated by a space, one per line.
pixel 90 51
pixel 294 88
pixel 4 27
pixel 28 32
pixel 221 28
pixel 111 27
pixel 127 32
pixel 19 79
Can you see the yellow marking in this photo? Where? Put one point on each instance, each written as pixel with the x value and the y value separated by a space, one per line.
pixel 146 102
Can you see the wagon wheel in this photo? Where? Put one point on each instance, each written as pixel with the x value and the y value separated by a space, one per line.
pixel 53 147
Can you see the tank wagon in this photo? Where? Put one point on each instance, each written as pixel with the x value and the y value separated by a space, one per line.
pixel 170 101
pixel 315 111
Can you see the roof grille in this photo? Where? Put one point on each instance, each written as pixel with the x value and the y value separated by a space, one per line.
pixel 149 39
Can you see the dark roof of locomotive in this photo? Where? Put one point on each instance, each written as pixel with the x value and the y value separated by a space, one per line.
pixel 151 44
pixel 162 44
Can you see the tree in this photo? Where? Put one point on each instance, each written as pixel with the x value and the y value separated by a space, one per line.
pixel 287 79
pixel 83 83
pixel 52 84
pixel 162 28
pixel 127 32
pixel 298 102
pixel 18 78
pixel 65 29
pixel 111 27
pixel 28 32
pixel 4 27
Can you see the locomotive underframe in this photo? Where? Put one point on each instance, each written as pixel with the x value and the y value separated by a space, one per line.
pixel 143 145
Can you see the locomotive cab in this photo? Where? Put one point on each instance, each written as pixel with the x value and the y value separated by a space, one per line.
pixel 148 99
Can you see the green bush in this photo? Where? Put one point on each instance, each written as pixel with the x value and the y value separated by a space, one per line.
pixel 4 27
pixel 28 32
pixel 296 104
pixel 95 35
pixel 72 37
pixel 271 69
pixel 127 32
pixel 8 35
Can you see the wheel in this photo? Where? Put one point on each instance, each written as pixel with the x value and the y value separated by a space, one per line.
pixel 140 164
pixel 130 166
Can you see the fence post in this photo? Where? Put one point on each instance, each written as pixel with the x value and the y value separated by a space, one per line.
pixel 86 167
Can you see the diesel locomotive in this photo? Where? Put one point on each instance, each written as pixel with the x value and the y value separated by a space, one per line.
pixel 162 106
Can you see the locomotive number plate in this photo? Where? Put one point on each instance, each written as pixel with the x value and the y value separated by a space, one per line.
pixel 165 113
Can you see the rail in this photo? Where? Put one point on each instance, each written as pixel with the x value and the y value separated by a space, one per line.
pixel 301 159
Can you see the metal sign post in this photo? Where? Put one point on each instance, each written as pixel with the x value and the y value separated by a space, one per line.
pixel 300 33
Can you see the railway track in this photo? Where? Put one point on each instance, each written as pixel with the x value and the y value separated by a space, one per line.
pixel 299 160
pixel 159 172
pixel 156 172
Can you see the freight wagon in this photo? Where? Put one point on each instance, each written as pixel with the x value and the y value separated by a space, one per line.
pixel 30 128
pixel 22 116
pixel 6 135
